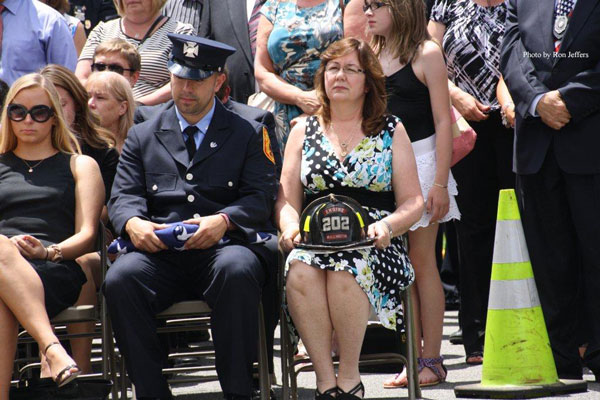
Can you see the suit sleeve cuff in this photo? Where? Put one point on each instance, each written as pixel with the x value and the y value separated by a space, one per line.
pixel 534 104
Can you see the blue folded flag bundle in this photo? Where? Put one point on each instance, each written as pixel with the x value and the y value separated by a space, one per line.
pixel 174 236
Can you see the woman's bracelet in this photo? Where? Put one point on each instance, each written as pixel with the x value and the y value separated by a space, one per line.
pixel 57 256
pixel 440 185
pixel 389 227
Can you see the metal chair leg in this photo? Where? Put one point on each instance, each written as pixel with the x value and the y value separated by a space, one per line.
pixel 263 359
pixel 285 365
pixel 414 390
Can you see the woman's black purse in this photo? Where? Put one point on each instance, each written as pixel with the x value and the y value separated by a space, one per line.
pixel 46 389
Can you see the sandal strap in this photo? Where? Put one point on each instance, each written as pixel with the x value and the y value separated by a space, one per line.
pixel 431 364
pixel 49 345
pixel 328 393
pixel 355 389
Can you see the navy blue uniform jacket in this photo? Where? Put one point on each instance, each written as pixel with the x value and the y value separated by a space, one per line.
pixel 230 173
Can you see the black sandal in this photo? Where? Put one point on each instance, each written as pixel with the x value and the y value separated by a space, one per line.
pixel 351 394
pixel 326 395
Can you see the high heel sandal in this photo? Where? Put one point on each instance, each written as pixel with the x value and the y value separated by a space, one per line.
pixel 326 395
pixel 61 380
pixel 351 394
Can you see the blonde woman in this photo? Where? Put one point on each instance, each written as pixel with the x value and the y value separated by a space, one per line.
pixel 97 143
pixel 110 96
pixel 48 189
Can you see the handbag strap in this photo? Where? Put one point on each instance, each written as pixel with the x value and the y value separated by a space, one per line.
pixel 151 29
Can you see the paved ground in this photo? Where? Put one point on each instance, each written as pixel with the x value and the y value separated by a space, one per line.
pixel 459 373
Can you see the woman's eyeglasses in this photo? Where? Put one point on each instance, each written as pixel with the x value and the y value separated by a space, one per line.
pixel 111 67
pixel 40 113
pixel 373 5
pixel 333 69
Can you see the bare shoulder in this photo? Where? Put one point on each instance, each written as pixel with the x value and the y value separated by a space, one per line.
pixel 430 50
pixel 83 166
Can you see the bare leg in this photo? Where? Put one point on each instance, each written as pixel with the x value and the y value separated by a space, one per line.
pixel 430 295
pixel 21 291
pixel 82 347
pixel 307 302
pixel 8 338
pixel 349 308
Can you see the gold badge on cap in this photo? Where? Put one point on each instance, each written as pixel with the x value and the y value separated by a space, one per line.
pixel 190 49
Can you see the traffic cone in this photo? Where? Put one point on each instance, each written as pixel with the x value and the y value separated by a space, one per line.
pixel 517 358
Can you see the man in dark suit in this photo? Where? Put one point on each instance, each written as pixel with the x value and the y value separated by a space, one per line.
pixel 227 22
pixel 551 64
pixel 199 163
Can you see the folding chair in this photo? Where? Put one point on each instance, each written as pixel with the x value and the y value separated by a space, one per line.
pixel 77 314
pixel 290 368
pixel 192 315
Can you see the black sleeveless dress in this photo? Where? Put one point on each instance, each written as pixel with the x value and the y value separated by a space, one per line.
pixel 408 98
pixel 41 203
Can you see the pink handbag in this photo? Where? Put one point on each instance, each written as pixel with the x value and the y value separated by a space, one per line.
pixel 463 136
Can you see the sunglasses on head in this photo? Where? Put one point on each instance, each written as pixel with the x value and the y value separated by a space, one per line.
pixel 40 113
pixel 111 67
pixel 373 5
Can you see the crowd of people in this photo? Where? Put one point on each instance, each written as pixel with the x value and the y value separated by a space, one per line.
pixel 138 114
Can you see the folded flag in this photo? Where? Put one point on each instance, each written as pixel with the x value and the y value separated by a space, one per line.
pixel 174 236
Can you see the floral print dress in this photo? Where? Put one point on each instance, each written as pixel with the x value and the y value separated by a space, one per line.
pixel 382 273
pixel 299 36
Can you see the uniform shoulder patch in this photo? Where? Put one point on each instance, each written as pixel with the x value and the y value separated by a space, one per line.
pixel 267 146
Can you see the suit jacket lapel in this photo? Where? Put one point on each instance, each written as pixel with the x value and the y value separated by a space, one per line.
pixel 217 134
pixel 239 20
pixel 169 134
pixel 546 23
pixel 583 9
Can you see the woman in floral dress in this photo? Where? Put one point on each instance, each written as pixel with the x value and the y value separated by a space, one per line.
pixel 351 147
pixel 292 34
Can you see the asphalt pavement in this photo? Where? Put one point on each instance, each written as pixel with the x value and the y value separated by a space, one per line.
pixel 459 373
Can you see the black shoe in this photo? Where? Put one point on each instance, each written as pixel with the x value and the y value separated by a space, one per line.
pixel 256 394
pixel 352 393
pixel 326 395
pixel 456 337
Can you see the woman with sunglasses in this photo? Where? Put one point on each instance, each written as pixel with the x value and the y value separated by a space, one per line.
pixel 142 25
pixel 416 84
pixel 112 99
pixel 97 143
pixel 50 202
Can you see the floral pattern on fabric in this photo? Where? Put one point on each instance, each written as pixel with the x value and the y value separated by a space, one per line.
pixel 298 38
pixel 382 273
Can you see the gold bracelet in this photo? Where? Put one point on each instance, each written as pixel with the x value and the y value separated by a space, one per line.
pixel 440 185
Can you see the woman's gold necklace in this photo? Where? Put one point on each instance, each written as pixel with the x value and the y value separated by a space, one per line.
pixel 31 167
pixel 343 144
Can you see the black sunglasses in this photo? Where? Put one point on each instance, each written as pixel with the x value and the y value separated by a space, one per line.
pixel 40 113
pixel 111 67
pixel 373 6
